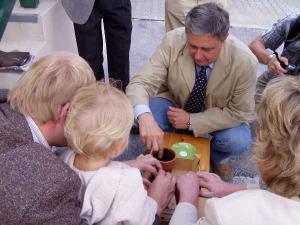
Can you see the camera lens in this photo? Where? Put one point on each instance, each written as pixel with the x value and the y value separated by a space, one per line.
pixel 291 67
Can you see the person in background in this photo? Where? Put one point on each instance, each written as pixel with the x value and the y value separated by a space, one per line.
pixel 277 154
pixel 176 11
pixel 88 16
pixel 200 80
pixel 97 129
pixel 287 32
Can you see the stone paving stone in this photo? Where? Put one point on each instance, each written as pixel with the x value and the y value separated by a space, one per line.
pixel 146 36
pixel 247 13
pixel 260 13
pixel 148 9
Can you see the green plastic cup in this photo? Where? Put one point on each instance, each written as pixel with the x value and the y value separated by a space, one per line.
pixel 184 150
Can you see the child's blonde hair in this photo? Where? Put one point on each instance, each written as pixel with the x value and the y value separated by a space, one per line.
pixel 98 118
pixel 49 83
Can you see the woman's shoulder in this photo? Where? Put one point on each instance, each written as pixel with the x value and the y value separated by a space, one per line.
pixel 260 204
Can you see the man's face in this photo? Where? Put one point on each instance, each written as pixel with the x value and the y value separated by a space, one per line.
pixel 204 49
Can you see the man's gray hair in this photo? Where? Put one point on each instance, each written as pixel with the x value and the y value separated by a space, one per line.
pixel 208 18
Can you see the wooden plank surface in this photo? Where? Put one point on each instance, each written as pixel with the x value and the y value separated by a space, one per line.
pixel 202 145
pixel 203 148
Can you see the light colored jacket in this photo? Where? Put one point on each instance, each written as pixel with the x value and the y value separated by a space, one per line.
pixel 170 73
pixel 113 195
pixel 250 207
pixel 35 186
pixel 78 10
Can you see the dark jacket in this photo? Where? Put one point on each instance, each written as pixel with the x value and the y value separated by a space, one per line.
pixel 35 186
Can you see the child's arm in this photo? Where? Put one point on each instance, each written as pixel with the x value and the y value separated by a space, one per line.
pixel 145 163
pixel 135 207
pixel 132 205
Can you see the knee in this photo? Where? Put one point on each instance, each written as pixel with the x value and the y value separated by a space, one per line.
pixel 234 140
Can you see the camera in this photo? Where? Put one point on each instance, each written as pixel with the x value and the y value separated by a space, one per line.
pixel 293 70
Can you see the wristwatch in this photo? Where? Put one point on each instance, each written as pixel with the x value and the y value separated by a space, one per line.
pixel 270 58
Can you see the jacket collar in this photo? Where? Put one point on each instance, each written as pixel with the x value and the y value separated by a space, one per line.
pixel 218 73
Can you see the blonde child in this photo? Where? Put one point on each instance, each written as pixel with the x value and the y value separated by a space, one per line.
pixel 97 129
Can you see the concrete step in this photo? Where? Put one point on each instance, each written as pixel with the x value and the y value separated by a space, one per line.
pixel 27 24
pixel 39 31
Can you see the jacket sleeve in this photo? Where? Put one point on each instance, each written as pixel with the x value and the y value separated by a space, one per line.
pixel 239 108
pixel 59 204
pixel 149 78
pixel 134 205
pixel 185 213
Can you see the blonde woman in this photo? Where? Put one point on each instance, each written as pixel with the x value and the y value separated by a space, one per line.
pixel 277 153
pixel 97 129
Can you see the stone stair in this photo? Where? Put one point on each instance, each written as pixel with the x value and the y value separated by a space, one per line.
pixel 40 31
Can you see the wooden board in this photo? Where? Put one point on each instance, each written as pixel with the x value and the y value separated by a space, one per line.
pixel 203 148
pixel 202 145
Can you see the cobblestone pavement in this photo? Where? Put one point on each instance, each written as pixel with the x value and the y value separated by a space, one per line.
pixel 260 13
pixel 245 13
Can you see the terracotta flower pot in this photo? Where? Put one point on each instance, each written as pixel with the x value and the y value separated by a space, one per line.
pixel 167 160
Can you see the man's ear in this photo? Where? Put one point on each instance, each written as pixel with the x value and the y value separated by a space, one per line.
pixel 63 112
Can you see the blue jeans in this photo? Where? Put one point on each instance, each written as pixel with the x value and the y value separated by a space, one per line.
pixel 224 144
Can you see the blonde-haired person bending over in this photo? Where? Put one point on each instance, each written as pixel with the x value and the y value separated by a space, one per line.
pixel 97 129
pixel 36 186
pixel 277 153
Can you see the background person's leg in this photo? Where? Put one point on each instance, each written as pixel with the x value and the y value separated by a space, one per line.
pixel 89 42
pixel 261 84
pixel 118 26
pixel 159 108
pixel 174 14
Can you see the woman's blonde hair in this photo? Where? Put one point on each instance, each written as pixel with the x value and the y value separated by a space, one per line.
pixel 98 118
pixel 277 148
pixel 49 83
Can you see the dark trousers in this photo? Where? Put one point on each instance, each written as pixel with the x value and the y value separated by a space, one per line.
pixel 116 16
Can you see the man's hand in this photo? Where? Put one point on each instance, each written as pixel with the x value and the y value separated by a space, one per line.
pixel 179 118
pixel 258 47
pixel 188 187
pixel 216 186
pixel 162 189
pixel 145 163
pixel 275 67
pixel 150 133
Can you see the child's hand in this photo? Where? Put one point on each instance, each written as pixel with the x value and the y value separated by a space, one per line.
pixel 146 163
pixel 162 189
pixel 188 187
